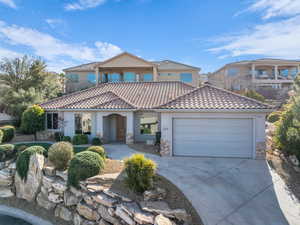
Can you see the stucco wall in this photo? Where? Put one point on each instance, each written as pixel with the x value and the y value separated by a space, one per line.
pixel 167 126
pixel 175 76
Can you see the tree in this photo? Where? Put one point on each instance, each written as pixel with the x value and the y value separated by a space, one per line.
pixel 254 95
pixel 33 120
pixel 25 81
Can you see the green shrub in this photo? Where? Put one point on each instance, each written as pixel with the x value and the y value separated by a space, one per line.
pixel 254 95
pixel 274 117
pixel 24 159
pixel 84 165
pixel 67 139
pixel 8 133
pixel 140 172
pixel 60 154
pixel 80 139
pixel 1 136
pixel 97 149
pixel 96 141
pixel 58 136
pixel 6 152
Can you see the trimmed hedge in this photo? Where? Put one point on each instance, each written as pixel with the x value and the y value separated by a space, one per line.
pixel 97 149
pixel 67 139
pixel 58 136
pixel 7 151
pixel 96 141
pixel 8 133
pixel 84 165
pixel 140 173
pixel 1 136
pixel 80 139
pixel 60 154
pixel 24 159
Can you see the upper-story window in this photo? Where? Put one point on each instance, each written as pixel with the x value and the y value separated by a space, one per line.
pixel 91 77
pixel 52 121
pixel 283 72
pixel 114 77
pixel 129 77
pixel 232 72
pixel 148 77
pixel 186 77
pixel 73 77
pixel 166 74
pixel 294 72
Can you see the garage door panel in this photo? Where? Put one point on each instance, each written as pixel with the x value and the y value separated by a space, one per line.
pixel 213 137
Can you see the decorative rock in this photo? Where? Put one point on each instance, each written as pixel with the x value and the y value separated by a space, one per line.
pixel 124 216
pixel 49 171
pixel 55 198
pixel 157 194
pixel 88 199
pixel 6 178
pixel 44 191
pixel 62 174
pixel 12 167
pixel 161 220
pixel 115 195
pixel 104 200
pixel 43 202
pixel 297 169
pixel 87 212
pixel 294 160
pixel 95 187
pixel 180 214
pixel 47 182
pixel 70 199
pixel 63 213
pixel 105 214
pixel 138 215
pixel 276 152
pixel 76 192
pixel 59 187
pixel 28 189
pixel 111 177
pixel 2 165
pixel 6 192
pixel 103 222
pixel 77 220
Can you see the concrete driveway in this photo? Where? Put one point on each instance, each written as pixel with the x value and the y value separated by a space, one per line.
pixel 227 191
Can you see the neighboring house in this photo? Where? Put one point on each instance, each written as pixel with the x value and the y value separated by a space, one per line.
pixel 203 121
pixel 128 68
pixel 260 74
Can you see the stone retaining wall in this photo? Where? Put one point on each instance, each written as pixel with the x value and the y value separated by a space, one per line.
pixel 92 204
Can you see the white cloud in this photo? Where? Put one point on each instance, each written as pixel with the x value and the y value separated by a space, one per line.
pixel 84 4
pixel 54 22
pixel 9 3
pixel 107 50
pixel 273 8
pixel 274 39
pixel 6 53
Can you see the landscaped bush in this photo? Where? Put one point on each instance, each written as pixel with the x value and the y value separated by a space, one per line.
pixel 60 154
pixel 96 141
pixel 6 152
pixel 274 117
pixel 80 139
pixel 1 136
pixel 84 165
pixel 67 139
pixel 58 136
pixel 140 172
pixel 24 159
pixel 97 149
pixel 8 133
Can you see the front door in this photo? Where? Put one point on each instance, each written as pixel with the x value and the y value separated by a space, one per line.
pixel 121 128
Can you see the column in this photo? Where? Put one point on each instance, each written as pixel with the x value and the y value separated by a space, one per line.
pixel 69 129
pixel 129 127
pixel 276 72
pixel 97 75
pixel 99 124
pixel 253 71
pixel 155 74
pixel 166 134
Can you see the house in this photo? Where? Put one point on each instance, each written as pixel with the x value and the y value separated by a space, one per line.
pixel 263 75
pixel 126 67
pixel 193 121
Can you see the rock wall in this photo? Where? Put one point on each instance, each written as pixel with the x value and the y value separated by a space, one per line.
pixel 93 204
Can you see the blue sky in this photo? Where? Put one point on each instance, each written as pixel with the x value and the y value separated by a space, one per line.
pixel 204 33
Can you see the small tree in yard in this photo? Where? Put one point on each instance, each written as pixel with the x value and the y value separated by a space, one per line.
pixel 33 119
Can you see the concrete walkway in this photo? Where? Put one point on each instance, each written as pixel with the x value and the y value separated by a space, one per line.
pixel 227 191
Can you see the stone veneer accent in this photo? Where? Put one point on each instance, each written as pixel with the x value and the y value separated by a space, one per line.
pixel 260 150
pixel 165 149
pixel 129 138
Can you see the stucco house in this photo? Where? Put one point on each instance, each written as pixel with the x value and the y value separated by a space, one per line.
pixel 126 67
pixel 193 121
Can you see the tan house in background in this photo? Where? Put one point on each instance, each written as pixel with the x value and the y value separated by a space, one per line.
pixel 128 68
pixel 263 75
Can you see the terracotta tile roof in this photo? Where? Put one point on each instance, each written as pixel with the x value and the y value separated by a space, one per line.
pixel 210 97
pixel 153 95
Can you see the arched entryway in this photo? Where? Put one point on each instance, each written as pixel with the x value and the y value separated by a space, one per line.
pixel 114 128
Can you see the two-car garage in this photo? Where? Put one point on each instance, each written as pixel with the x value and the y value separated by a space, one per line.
pixel 213 137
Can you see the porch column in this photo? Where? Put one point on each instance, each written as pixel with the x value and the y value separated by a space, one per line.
pixel 276 72
pixel 253 71
pixel 129 128
pixel 99 125
pixel 69 129
pixel 97 75
pixel 155 74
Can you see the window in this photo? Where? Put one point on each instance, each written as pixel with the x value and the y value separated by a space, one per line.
pixel 294 72
pixel 114 77
pixel 186 77
pixel 148 77
pixel 83 123
pixel 167 74
pixel 129 77
pixel 148 124
pixel 52 121
pixel 91 78
pixel 232 72
pixel 73 77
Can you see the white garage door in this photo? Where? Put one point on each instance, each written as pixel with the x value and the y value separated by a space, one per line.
pixel 213 137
